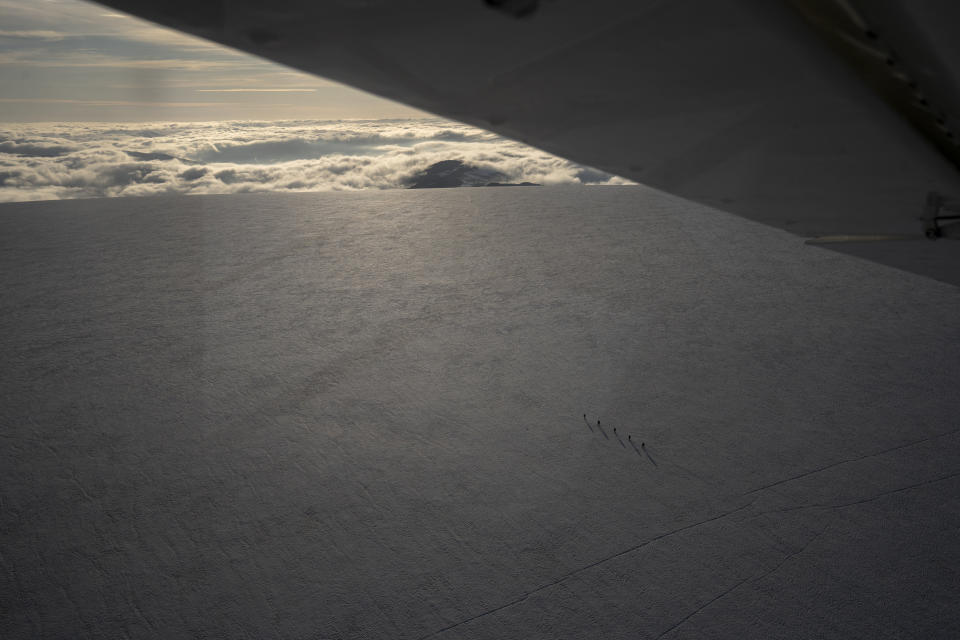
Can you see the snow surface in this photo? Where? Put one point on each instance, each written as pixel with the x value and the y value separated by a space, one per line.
pixel 361 416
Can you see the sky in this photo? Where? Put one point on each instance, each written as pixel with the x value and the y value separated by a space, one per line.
pixel 94 103
pixel 70 61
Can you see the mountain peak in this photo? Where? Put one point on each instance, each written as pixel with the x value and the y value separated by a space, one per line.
pixel 456 173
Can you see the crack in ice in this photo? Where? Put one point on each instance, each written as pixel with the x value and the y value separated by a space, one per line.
pixel 702 607
pixel 570 574
pixel 756 578
pixel 863 500
pixel 848 461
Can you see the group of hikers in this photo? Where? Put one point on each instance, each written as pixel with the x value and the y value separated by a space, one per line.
pixel 643 445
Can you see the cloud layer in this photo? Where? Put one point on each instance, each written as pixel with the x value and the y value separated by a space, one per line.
pixel 77 160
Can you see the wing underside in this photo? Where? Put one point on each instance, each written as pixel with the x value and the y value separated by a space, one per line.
pixel 817 117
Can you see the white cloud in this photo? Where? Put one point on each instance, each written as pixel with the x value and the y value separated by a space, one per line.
pixel 32 34
pixel 84 59
pixel 114 103
pixel 256 90
pixel 56 161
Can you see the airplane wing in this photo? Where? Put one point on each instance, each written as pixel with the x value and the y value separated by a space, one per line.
pixel 830 119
